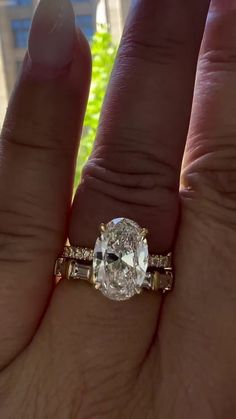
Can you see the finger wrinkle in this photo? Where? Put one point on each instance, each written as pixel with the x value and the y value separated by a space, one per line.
pixel 220 31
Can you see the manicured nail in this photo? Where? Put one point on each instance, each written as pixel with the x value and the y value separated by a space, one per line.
pixel 52 35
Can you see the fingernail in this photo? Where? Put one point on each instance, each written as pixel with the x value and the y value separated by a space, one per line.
pixel 52 34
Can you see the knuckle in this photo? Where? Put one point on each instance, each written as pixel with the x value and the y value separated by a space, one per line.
pixel 13 247
pixel 134 154
pixel 221 28
pixel 212 177
pixel 140 186
pixel 21 238
pixel 42 143
pixel 137 194
pixel 28 129
pixel 163 39
pixel 163 52
pixel 218 60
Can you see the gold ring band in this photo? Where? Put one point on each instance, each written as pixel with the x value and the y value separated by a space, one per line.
pixel 85 254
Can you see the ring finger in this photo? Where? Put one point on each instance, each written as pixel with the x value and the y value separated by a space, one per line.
pixel 134 172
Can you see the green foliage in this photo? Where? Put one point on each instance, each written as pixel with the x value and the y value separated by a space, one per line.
pixel 103 54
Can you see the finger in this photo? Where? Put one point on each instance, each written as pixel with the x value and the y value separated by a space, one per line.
pixel 198 322
pixel 144 123
pixel 38 152
pixel 134 172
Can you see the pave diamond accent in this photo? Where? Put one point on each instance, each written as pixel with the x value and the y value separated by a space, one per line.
pixel 160 261
pixel 120 260
pixel 80 253
pixel 83 253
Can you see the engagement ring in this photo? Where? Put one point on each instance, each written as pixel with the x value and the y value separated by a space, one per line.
pixel 119 265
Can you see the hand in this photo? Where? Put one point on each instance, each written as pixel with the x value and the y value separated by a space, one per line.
pixel 66 352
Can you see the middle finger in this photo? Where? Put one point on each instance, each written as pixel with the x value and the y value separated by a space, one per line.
pixel 134 169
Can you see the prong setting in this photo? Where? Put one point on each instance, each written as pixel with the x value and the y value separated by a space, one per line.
pixel 144 233
pixel 138 290
pixel 103 228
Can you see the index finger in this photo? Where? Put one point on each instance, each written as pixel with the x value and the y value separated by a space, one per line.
pixel 38 151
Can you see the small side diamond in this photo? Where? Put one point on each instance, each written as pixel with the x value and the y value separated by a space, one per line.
pixel 80 272
pixel 166 282
pixel 86 254
pixel 91 256
pixel 58 270
pixel 58 267
pixel 160 261
pixel 74 271
pixel 66 252
pixel 71 252
pixel 78 253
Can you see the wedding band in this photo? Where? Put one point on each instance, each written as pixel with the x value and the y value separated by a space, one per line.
pixel 120 265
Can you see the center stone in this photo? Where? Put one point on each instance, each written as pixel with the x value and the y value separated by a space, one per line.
pixel 120 259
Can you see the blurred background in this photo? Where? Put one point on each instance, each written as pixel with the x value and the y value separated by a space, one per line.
pixel 102 22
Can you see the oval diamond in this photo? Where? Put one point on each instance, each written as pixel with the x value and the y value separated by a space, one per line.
pixel 120 259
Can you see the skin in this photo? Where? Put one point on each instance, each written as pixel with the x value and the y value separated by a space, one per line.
pixel 66 352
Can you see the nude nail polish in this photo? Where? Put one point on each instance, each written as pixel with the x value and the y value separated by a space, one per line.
pixel 52 34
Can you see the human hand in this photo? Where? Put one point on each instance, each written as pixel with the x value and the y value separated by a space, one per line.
pixel 66 352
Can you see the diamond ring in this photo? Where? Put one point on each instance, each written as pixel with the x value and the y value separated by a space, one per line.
pixel 120 265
